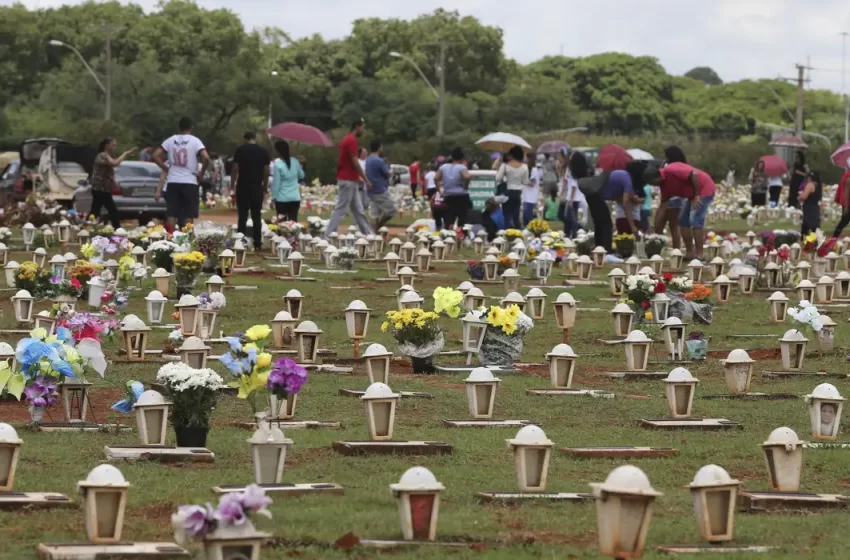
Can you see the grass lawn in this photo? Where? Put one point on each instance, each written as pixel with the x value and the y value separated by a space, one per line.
pixel 481 459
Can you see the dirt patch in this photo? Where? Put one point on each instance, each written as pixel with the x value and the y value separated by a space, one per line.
pixel 844 482
pixel 582 540
pixel 756 354
pixel 535 371
pixel 159 514
pixel 100 409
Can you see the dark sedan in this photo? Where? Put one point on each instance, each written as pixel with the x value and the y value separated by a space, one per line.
pixel 137 182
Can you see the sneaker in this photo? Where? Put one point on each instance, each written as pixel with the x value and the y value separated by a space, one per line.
pixel 827 246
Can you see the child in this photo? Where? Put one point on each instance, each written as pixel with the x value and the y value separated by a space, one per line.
pixel 438 209
pixel 809 199
pixel 492 218
pixel 550 211
pixel 646 208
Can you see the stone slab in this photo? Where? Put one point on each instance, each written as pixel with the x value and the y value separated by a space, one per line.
pixel 552 392
pixel 690 423
pixel 293 424
pixel 752 396
pixel 391 544
pixel 41 500
pixel 792 502
pixel 91 551
pixel 392 447
pixel 712 548
pixel 163 454
pixel 497 370
pixel 489 423
pixel 80 427
pixel 297 278
pixel 800 374
pixel 520 497
pixel 286 488
pixel 404 394
pixel 620 452
pixel 637 375
pixel 826 445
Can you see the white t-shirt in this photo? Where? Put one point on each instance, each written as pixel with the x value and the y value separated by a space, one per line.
pixel 531 193
pixel 572 184
pixel 430 180
pixel 182 150
pixel 774 181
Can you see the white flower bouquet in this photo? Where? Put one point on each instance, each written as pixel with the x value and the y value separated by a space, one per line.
pixel 806 316
pixel 193 392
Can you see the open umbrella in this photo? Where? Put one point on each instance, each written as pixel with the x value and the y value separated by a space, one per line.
pixel 640 155
pixel 502 142
pixel 788 142
pixel 841 157
pixel 613 157
pixel 552 147
pixel 774 166
pixel 302 133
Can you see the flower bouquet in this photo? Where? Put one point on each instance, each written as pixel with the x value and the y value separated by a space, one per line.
pixel 289 229
pixel 697 345
pixel 160 252
pixel 538 227
pixel 86 325
pixel 32 279
pixel 188 267
pixel 83 271
pixel 624 245
pixel 418 335
pixel 284 383
pixel 640 288
pixel 513 234
pixel 345 257
pixel 696 305
pixel 681 284
pixel 230 520
pixel 248 363
pixel 654 244
pixel 315 225
pixel 193 393
pixel 475 269
pixel 174 341
pixel 503 340
pixel 448 301
pixel 585 243
pixel 210 238
pixel 60 288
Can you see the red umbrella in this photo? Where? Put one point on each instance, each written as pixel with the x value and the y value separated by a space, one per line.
pixel 788 142
pixel 297 132
pixel 774 166
pixel 613 157
pixel 841 155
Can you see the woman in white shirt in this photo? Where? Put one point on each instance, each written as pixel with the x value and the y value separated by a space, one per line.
pixel 774 186
pixel 577 168
pixel 515 173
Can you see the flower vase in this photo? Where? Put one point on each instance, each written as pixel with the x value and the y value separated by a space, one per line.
pixel 423 365
pixel 346 264
pixel 282 408
pixel 500 349
pixel 185 281
pixel 191 436
pixel 36 414
pixel 697 349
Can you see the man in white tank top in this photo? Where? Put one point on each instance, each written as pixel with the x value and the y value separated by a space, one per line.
pixel 185 152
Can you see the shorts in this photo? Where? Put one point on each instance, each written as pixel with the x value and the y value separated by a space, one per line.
pixel 692 217
pixel 382 205
pixel 675 202
pixel 181 200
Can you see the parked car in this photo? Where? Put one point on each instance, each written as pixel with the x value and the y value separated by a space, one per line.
pixel 134 198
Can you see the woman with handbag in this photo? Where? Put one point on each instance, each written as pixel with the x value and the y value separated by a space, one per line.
pixel 514 172
pixel 103 180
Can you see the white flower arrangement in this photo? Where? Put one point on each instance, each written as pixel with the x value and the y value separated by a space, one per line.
pixel 175 336
pixel 643 282
pixel 807 315
pixel 681 284
pixel 179 377
pixel 162 245
pixel 347 253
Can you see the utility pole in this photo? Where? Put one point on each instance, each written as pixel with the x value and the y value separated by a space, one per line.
pixel 844 86
pixel 441 114
pixel 109 29
pixel 798 117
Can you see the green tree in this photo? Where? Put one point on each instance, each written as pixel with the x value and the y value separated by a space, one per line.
pixel 705 75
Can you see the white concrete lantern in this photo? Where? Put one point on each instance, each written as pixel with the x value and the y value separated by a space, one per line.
pixel 423 242
pixel 373 241
pixel 562 366
pixel 660 307
pixel 399 294
pixel 4 254
pixel 805 290
pixel 713 250
pixel 408 252
pixel 10 268
pixel 826 336
pixel 357 319
pixel 569 246
pixel 676 259
pixel 637 346
pixel 657 264
pixel 406 276
pixel 28 231
pixel 572 263
pixel 23 304
pixel 380 402
pixel 778 306
pixel 680 387
pixel 112 267
pixel 536 303
pixel 714 495
pixel 746 280
pixel 478 245
pixel 792 348
pixel 10 448
pixel 832 261
pixel 349 239
pixel 423 260
pixel 268 451
pixel 465 286
pixel 282 327
pixel 751 237
pixel 543 266
pixel 771 273
pixel 738 371
pixel 616 278
pixel 242 253
pixel 330 256
pixel 294 303
pixel 155 305
pixel 718 266
pixel 284 249
pixel 410 300
pixel 514 298
pixel 392 264
pixel 96 288
pixel 304 241
pixel 818 268
pixel 772 256
pixel 307 338
pixel 514 258
pixel 499 244
pixel 104 493
pixel 83 236
pixel 674 338
pixel 491 267
pixel 825 406
pixel 215 284
pixel 451 245
pixel 565 310
pixel 805 270
pixel 44 321
pixel 63 231
pixel 384 233
pixel 7 354
pixel 296 261
pixel 152 418
pixel 362 247
pixel 532 450
pixel 377 359
pixel 724 288
pixel 474 328
pixel 825 289
pixel 39 257
pixel 585 267
pixel 162 278
pixel 140 255
pixel 417 494
pixel 520 249
pixel 395 245
pixel 623 316
pixel 842 285
pixel 57 266
pixel 510 280
pixel 134 333
pixel 598 255
pixel 474 299
pixel 187 307
pixel 481 389
pixel 623 512
pixel 783 452
pixel 695 268
pixel 194 352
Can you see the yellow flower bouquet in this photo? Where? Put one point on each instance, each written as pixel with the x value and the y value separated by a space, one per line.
pixel 418 335
pixel 503 339
pixel 187 267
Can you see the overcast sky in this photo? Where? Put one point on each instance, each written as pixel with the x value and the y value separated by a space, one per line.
pixel 738 38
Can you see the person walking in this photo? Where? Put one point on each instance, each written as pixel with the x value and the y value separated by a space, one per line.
pixel 531 194
pixel 378 173
pixel 103 180
pixel 577 168
pixel 181 188
pixel 809 199
pixel 250 175
pixel 452 181
pixel 799 177
pixel 774 186
pixel 514 172
pixel 416 177
pixel 758 185
pixel 286 190
pixel 349 176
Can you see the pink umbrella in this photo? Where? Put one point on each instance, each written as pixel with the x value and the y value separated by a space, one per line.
pixel 774 166
pixel 302 133
pixel 613 157
pixel 841 155
pixel 788 142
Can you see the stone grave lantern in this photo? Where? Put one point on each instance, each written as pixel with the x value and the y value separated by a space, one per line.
pixel 832 261
pixel 406 276
pixel 772 256
pixel 380 404
pixel 418 496
pixel 377 359
pixel 637 346
pixel 805 290
pixel 478 245
pixel 57 266
pixel 660 307
pixel 514 258
pixel 268 451
pixel 423 260
pixel 562 366
pixel 465 286
pixel 543 266
pixel 296 261
pixel 572 263
pixel 500 244
pixel 384 233
pixel 647 270
pixel 411 300
pixel 520 249
pixel 825 289
pixel 746 280
pixel 187 307
pixel 362 247
pixel 357 322
pixel 214 284
pixel 514 298
pixel 23 304
pixel 795 252
pixel 140 255
pixel 39 257
pixel 391 259
pixel 778 306
pixel 623 316
pixel 474 299
pixel 282 326
pixel 70 259
pixel 718 266
pixel 819 268
pixel 44 321
pixel 826 336
pixel 408 252
pixel 104 493
pixel 676 259
pixel 206 322
pixel 63 231
pixel 193 352
pixel 96 288
pixel 294 303
pixel 532 450
pixel 569 246
pixel 28 231
pixel 10 449
pixel 4 254
pixel 225 261
pixel 10 268
pixel 751 237
pixel 846 259
pixel 48 234
pixel 598 255
pixel 842 285
pixel 162 278
pixel 451 245
pixel 242 253
pixel 657 264
pixel 439 249
pixel 805 270
pixel 695 271
pixel 307 338
pixel 395 245
pixel 724 288
pixel 375 244
pixel 349 239
pixel 330 256
pixel 536 302
pixel 674 338
pixel 474 329
pixel 714 495
pixel 83 236
pixel 616 278
pixel 491 267
pixel 400 294
pixel 284 249
pixel 7 354
pixel 825 406
pixel 585 267
pixel 680 387
pixel 623 512
pixel 135 335
pixel 423 241
pixel 793 349
pixel 317 246
pixel 152 418
pixel 738 371
pixel 713 250
pixel 234 542
pixel 481 389
pixel 111 266
pixel 333 238
pixel 783 452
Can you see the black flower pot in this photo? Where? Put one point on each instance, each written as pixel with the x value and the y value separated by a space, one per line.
pixel 183 290
pixel 423 365
pixel 191 436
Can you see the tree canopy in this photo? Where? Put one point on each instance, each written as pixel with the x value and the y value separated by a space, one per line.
pixel 705 75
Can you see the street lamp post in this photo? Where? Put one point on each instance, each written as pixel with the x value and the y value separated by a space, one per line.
pixel 440 95
pixel 106 91
pixel 271 100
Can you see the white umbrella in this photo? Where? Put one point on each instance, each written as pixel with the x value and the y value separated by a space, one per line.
pixel 502 142
pixel 640 155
